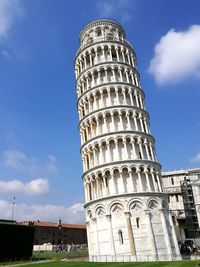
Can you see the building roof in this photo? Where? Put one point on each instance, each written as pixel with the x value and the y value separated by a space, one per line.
pixel 53 224
pixel 179 172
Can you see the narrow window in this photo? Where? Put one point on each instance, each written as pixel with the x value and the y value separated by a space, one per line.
pixel 144 127
pixel 121 237
pixel 176 198
pixel 99 33
pixel 90 192
pixel 85 135
pixel 150 153
pixel 172 181
pixel 106 182
pixel 138 222
pixel 88 163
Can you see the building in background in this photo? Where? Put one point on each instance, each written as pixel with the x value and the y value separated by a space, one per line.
pixel 183 189
pixel 127 211
pixel 16 241
pixel 58 233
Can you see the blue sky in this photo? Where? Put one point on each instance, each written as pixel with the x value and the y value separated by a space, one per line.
pixel 40 162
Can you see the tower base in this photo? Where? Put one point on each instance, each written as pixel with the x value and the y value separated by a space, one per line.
pixel 131 227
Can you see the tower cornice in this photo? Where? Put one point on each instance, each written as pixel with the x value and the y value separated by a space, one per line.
pixel 125 43
pixel 113 84
pixel 125 107
pixel 119 133
pixel 131 195
pixel 132 163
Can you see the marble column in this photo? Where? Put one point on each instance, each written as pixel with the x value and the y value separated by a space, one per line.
pixel 165 231
pixel 174 235
pixel 151 235
pixel 130 234
pixel 112 244
pixel 94 220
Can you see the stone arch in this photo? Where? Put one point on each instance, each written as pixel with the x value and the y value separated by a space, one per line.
pixel 135 206
pixel 92 175
pixel 126 178
pixel 99 173
pixel 136 209
pixel 98 31
pixel 89 214
pixel 116 206
pixel 106 171
pixel 115 169
pixel 111 139
pixel 133 168
pixel 153 204
pixel 97 207
pixel 124 168
pixel 109 36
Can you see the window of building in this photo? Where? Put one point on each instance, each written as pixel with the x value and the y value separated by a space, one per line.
pixel 109 36
pixel 169 199
pixel 138 222
pixel 149 153
pixel 98 32
pixel 90 40
pixel 177 200
pixel 121 240
pixel 90 192
pixel 88 163
pixel 114 56
pixel 106 181
pixel 172 180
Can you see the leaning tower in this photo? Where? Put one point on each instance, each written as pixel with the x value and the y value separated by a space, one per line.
pixel 127 213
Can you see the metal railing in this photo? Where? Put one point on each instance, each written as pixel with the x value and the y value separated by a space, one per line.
pixel 138 258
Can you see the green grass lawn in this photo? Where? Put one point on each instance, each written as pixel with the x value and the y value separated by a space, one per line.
pixel 94 264
pixel 48 256
pixel 58 256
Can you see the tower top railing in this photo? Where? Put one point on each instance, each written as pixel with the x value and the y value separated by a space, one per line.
pixel 94 22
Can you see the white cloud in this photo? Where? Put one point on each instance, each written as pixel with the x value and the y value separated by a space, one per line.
pixel 39 186
pixel 177 56
pixel 15 159
pixel 196 159
pixel 18 160
pixel 110 8
pixel 10 11
pixel 23 212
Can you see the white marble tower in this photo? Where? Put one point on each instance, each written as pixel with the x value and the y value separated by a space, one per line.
pixel 127 213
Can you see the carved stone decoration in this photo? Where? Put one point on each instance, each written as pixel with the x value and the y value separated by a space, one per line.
pixel 117 211
pixel 154 206
pixel 101 214
pixel 136 208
